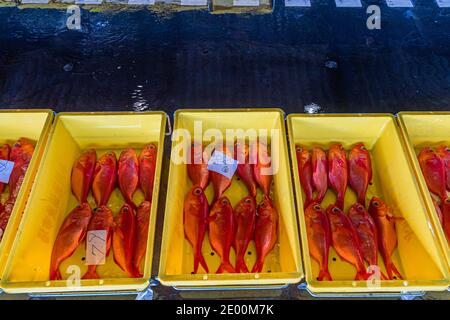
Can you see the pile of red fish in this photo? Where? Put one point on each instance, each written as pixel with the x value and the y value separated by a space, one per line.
pixel 127 233
pixel 435 165
pixel 21 154
pixel 358 236
pixel 230 227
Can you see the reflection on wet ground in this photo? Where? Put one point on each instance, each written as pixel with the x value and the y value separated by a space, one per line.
pixel 292 58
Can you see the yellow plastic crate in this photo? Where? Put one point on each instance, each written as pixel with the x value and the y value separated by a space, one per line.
pixel 283 265
pixel 418 255
pixel 27 270
pixel 420 129
pixel 34 125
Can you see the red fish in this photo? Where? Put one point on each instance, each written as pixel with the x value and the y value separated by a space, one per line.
pixel 446 217
pixel 196 211
pixel 262 170
pixel 360 171
pixel 245 168
pixel 104 178
pixel 71 233
pixel 433 169
pixel 220 182
pixel 21 154
pixel 102 219
pixel 5 151
pixel 142 225
pixel 245 217
pixel 319 172
pixel 444 153
pixel 266 231
pixel 123 240
pixel 147 167
pixel 387 236
pixel 128 175
pixel 83 175
pixel 221 232
pixel 345 241
pixel 367 233
pixel 438 211
pixel 305 172
pixel 23 149
pixel 338 173
pixel 319 238
pixel 5 214
pixel 198 167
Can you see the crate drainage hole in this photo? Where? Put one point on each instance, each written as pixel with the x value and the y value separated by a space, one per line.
pixel 84 258
pixel 334 259
pixel 212 253
pixel 249 253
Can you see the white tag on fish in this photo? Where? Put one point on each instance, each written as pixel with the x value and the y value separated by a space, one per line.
pixel 96 247
pixel 223 164
pixel 6 167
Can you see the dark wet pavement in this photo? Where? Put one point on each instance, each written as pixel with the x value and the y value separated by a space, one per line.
pixel 290 58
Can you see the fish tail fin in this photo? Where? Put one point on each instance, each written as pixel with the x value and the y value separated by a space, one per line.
pixel 226 266
pixel 55 274
pixel 383 276
pixel 200 260
pixel 362 275
pixel 392 269
pixel 258 266
pixel 241 266
pixel 324 275
pixel 91 273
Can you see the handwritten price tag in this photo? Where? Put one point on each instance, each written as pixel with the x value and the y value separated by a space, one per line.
pixel 6 168
pixel 223 164
pixel 96 247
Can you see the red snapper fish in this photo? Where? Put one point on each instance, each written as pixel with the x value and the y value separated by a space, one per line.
pixel 360 171
pixel 104 178
pixel 262 170
pixel 433 169
pixel 220 182
pixel 102 219
pixel 141 235
pixel 444 153
pixel 147 167
pixel 198 167
pixel 319 238
pixel 446 217
pixel 5 151
pixel 387 236
pixel 319 172
pixel 245 168
pixel 345 241
pixel 83 175
pixel 71 233
pixel 245 217
pixel 128 175
pixel 338 173
pixel 221 232
pixel 305 172
pixel 195 215
pixel 123 240
pixel 266 230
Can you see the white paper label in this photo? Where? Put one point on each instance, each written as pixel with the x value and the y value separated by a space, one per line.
pixel 443 3
pixel 88 1
pixel 399 3
pixel 223 164
pixel 297 3
pixel 348 3
pixel 246 3
pixel 96 247
pixel 194 2
pixel 6 168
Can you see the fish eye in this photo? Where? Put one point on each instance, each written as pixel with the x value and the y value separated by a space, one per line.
pixel 335 210
pixel 447 149
pixel 375 203
pixel 224 201
pixel 360 208
pixel 316 207
pixel 125 209
pixel 447 200
pixel 299 149
pixel 248 201
pixel 363 148
pixel 197 191
pixel 151 146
